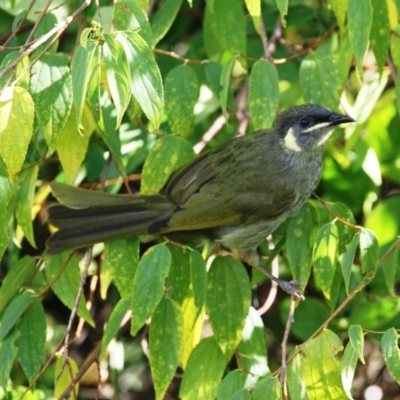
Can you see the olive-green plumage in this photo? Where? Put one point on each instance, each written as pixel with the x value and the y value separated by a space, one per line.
pixel 234 195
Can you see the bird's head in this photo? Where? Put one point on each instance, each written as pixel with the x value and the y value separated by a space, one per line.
pixel 307 127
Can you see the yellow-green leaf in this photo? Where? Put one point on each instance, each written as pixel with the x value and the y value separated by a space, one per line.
pixel 24 202
pixel 181 93
pixel 359 21
pixel 320 367
pixel 148 285
pixel 263 94
pixel 165 344
pixel 325 257
pixel 15 132
pixel 72 144
pixel 228 301
pixel 167 155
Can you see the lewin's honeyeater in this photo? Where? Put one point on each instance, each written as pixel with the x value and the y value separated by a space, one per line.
pixel 234 195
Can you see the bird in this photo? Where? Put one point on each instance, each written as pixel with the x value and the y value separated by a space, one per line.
pixel 233 196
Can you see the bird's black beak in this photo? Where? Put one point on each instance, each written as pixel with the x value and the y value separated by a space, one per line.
pixel 337 119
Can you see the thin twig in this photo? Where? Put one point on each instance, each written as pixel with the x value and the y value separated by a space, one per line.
pixel 216 126
pixel 74 309
pixel 177 56
pixel 350 297
pixel 283 372
pixel 264 39
pixel 38 21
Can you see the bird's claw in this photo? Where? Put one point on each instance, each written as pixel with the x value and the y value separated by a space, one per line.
pixel 291 287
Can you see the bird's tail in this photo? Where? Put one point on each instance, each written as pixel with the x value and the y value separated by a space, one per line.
pixel 88 217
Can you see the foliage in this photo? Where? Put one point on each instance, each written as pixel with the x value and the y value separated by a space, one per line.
pixel 102 94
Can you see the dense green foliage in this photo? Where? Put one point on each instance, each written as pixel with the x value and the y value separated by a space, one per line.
pixel 117 96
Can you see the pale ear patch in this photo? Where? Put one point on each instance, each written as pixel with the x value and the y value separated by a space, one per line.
pixel 324 138
pixel 291 141
pixel 315 127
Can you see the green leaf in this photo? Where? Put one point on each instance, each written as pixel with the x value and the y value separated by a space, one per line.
pixel 380 32
pixel 203 372
pixel 187 283
pixel 103 111
pixel 5 213
pixel 64 377
pixel 251 352
pixel 20 273
pixel 348 260
pixel 283 6
pixel 228 301
pixel 164 17
pixel 373 315
pixel 24 202
pixel 263 94
pixel 19 72
pixel 300 238
pixel 233 381
pixel 15 132
pixel 82 66
pixel 320 81
pixel 325 257
pixel 145 76
pixel 31 341
pixel 397 83
pixel 349 363
pixel 51 90
pixel 213 72
pixel 122 257
pixel 8 352
pixel 72 145
pixel 128 15
pixel 369 252
pixel 296 385
pixel 165 344
pixel 224 28
pixel 339 7
pixel 395 46
pixel 391 353
pixel 356 337
pixel 225 94
pixel 344 57
pixel 148 285
pixel 47 23
pixel 359 21
pixel 254 9
pixel 166 156
pixel 118 75
pixel 13 312
pixel 114 322
pixel 242 394
pixel 181 93
pixel 320 367
pixel 267 388
pixel 389 268
pixel 66 284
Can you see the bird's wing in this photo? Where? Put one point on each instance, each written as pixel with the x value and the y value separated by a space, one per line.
pixel 203 211
pixel 188 179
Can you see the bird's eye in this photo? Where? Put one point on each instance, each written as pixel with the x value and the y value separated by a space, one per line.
pixel 305 122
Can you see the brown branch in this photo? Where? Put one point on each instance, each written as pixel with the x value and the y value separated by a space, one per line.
pixel 342 221
pixel 177 56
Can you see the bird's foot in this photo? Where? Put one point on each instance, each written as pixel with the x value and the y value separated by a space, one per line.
pixel 290 287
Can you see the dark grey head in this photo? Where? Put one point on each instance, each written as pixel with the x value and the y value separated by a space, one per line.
pixel 307 127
